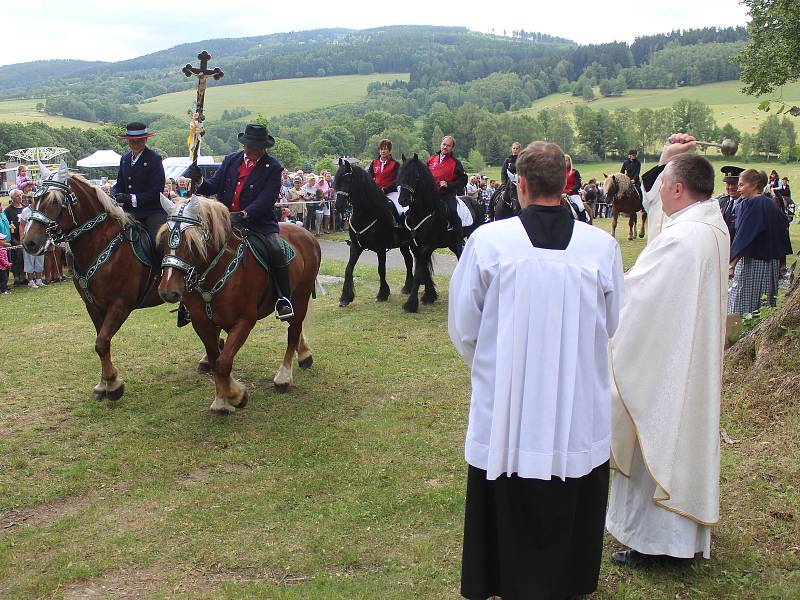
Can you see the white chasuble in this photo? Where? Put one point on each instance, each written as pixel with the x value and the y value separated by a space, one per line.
pixel 666 368
pixel 533 324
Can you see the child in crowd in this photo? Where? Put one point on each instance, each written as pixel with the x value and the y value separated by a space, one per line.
pixel 5 265
pixel 22 178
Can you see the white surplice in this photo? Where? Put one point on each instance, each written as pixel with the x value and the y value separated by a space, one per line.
pixel 666 364
pixel 533 324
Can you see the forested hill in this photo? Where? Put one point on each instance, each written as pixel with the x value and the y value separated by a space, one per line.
pixel 313 53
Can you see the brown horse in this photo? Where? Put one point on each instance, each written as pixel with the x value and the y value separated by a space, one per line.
pixel 213 269
pixel 109 277
pixel 623 197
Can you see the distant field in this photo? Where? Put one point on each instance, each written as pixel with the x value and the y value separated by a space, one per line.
pixel 272 98
pixel 24 111
pixel 596 170
pixel 726 100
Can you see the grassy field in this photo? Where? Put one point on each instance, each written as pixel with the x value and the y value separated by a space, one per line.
pixel 24 111
pixel 725 98
pixel 349 486
pixel 272 98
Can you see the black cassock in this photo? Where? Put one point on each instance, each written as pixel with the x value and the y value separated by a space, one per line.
pixel 531 538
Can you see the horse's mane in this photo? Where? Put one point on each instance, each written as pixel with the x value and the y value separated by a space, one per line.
pixel 106 202
pixel 373 193
pixel 215 219
pixel 623 181
pixel 426 182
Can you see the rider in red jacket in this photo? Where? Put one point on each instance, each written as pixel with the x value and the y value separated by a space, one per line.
pixel 450 177
pixel 384 171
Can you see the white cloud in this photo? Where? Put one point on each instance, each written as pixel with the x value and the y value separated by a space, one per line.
pixel 117 31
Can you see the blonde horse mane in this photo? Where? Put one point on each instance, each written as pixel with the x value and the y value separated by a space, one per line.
pixel 623 181
pixel 106 202
pixel 215 219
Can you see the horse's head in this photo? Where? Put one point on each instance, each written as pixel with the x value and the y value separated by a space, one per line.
pixel 610 187
pixel 194 230
pixel 412 178
pixel 343 184
pixel 54 207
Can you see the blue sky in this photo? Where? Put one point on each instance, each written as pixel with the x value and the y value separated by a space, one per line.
pixel 102 30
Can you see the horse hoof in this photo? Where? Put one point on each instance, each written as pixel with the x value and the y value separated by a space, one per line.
pixel 282 387
pixel 99 394
pixel 221 412
pixel 409 309
pixel 641 235
pixel 630 238
pixel 204 367
pixel 380 298
pixel 243 401
pixel 429 299
pixel 343 303
pixel 306 362
pixel 117 393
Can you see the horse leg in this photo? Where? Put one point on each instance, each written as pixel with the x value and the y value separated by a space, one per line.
pixel 383 291
pixel 430 296
pixel 409 260
pixel 209 336
pixel 204 364
pixel 111 385
pixel 420 267
pixel 644 222
pixel 614 218
pixel 631 226
pixel 304 357
pixel 348 291
pixel 229 393
pixel 283 378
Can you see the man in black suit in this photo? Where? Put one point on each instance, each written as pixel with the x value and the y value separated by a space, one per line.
pixel 248 182
pixel 140 180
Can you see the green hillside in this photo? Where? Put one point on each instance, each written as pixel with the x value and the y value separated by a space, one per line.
pixel 726 100
pixel 24 111
pixel 273 98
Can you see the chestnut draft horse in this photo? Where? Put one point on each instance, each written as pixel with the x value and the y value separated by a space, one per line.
pixel 623 197
pixel 214 269
pixel 109 277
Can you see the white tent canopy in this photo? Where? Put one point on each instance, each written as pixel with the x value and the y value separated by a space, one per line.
pixel 174 166
pixel 101 158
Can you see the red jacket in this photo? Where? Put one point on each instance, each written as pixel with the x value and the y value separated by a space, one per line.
pixel 449 170
pixel 388 176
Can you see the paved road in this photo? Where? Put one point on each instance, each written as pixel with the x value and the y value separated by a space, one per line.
pixel 443 264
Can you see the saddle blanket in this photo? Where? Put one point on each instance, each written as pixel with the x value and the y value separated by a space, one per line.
pixel 464 212
pixel 394 196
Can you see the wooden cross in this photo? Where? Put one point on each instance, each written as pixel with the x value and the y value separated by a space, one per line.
pixel 202 73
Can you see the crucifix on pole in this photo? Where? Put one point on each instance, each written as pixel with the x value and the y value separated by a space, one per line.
pixel 196 129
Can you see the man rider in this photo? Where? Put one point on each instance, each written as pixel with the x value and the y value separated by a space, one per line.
pixel 248 182
pixel 450 177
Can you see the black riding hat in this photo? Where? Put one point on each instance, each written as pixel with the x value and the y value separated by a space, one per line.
pixel 257 137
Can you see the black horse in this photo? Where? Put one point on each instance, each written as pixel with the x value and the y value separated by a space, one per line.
pixel 427 226
pixel 369 228
pixel 504 202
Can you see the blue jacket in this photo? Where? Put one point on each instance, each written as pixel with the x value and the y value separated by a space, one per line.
pixel 259 194
pixel 145 179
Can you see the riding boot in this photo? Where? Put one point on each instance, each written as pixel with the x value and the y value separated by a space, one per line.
pixel 280 276
pixel 390 212
pixel 184 318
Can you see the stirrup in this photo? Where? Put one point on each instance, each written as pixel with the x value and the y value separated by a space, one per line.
pixel 283 301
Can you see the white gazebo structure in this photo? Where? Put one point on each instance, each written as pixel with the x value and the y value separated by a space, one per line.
pixel 174 166
pixel 43 153
pixel 101 158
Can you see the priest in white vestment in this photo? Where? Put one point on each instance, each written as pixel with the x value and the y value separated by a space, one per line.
pixel 666 368
pixel 533 302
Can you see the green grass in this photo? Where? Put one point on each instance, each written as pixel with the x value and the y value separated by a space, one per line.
pixel 272 98
pixel 725 98
pixel 349 486
pixel 24 111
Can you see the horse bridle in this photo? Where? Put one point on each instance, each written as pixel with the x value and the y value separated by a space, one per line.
pixel 174 238
pixel 67 202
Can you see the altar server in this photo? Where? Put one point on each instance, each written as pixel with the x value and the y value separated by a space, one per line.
pixel 533 302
